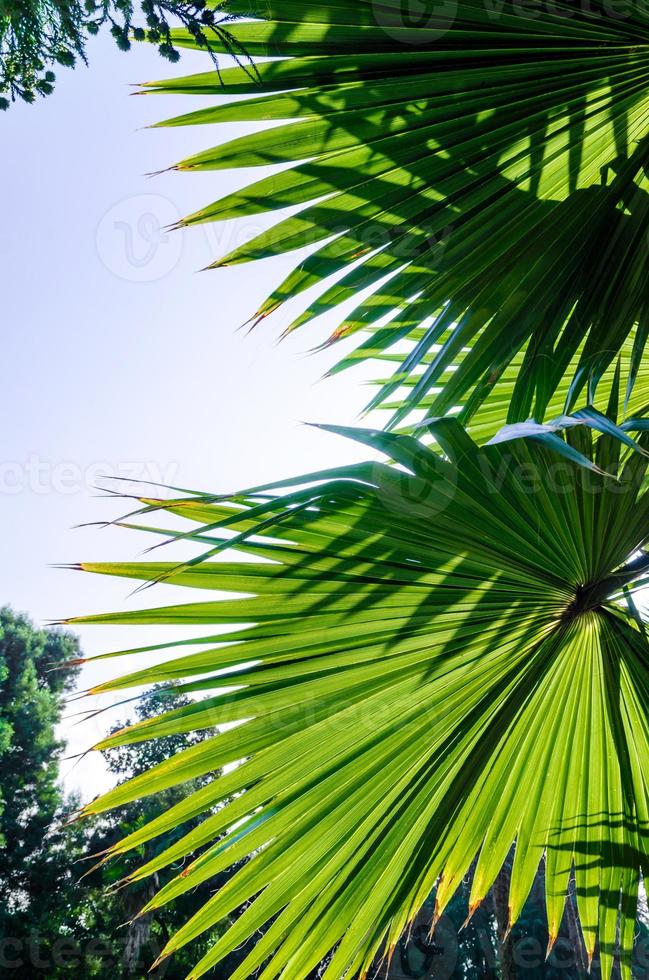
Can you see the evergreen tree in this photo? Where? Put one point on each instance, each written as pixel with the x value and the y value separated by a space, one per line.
pixel 37 36
pixel 36 670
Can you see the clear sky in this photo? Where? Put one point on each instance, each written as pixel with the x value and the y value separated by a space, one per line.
pixel 119 357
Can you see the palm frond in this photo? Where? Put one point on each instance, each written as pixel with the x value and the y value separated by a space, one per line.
pixel 427 663
pixel 622 389
pixel 483 170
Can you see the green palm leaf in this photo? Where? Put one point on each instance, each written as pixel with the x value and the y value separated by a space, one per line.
pixel 484 423
pixel 426 663
pixel 483 170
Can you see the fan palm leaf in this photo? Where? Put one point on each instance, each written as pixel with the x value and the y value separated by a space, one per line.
pixel 486 422
pixel 427 663
pixel 483 169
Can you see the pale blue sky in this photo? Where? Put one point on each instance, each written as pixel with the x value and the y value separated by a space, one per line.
pixel 119 356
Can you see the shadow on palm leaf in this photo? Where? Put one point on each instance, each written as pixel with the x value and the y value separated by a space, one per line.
pixel 490 177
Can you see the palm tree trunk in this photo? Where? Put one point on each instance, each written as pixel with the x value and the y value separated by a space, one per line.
pixel 139 930
pixel 500 896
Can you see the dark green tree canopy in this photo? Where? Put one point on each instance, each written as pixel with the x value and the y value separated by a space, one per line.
pixel 51 922
pixel 35 674
pixel 106 908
